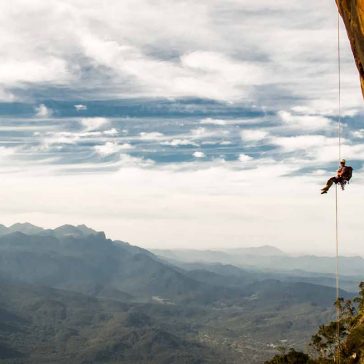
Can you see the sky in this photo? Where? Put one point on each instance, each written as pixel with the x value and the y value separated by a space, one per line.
pixel 180 124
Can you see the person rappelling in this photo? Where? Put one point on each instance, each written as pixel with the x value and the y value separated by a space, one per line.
pixel 343 176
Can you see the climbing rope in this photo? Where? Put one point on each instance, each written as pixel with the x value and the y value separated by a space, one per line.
pixel 338 313
pixel 337 278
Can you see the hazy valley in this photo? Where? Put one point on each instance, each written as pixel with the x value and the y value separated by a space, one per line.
pixel 70 295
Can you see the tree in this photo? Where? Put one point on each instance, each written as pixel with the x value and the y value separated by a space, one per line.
pixel 338 341
pixel 328 341
pixel 292 357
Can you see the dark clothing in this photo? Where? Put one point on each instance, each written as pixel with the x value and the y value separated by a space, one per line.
pixel 343 171
pixel 335 180
pixel 343 175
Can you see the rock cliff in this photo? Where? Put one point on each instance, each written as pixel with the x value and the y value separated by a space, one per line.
pixel 352 12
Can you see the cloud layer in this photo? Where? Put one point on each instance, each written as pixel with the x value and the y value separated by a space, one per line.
pixel 178 122
pixel 231 51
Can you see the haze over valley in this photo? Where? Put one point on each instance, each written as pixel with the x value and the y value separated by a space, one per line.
pixel 83 297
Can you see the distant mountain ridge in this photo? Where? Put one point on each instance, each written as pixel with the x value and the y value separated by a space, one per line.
pixel 64 230
pixel 264 251
pixel 72 293
pixel 265 258
pixel 80 259
pixel 83 260
pixel 218 256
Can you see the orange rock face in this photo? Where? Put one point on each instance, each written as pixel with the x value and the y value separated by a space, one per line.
pixel 352 12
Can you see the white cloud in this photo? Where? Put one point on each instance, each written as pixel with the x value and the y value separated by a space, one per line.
pixel 6 152
pixel 199 154
pixel 96 123
pixel 180 142
pixel 230 205
pixel 108 148
pixel 359 133
pixel 59 138
pixel 318 148
pixel 233 121
pixel 210 121
pixel 111 132
pixel 200 132
pixel 7 96
pixel 128 161
pixel 319 172
pixel 253 135
pixel 214 54
pixel 303 142
pixel 50 70
pixel 203 133
pixel 43 111
pixel 304 122
pixel 126 146
pixel 151 136
pixel 80 107
pixel 244 158
pixel 232 71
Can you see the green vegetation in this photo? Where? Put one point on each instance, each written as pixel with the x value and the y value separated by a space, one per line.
pixel 292 357
pixel 42 325
pixel 338 341
pixel 71 295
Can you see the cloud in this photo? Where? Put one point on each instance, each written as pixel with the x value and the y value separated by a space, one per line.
pixel 111 132
pixel 126 146
pixel 303 142
pixel 225 73
pixel 7 152
pixel 95 123
pixel 43 111
pixel 244 158
pixel 231 121
pixel 315 148
pixel 281 102
pixel 107 149
pixel 318 148
pixel 253 135
pixel 59 138
pixel 180 142
pixel 214 54
pixel 7 96
pixel 199 154
pixel 80 107
pixel 210 121
pixel 230 205
pixel 51 70
pixel 359 134
pixel 200 132
pixel 203 133
pixel 151 135
pixel 304 121
pixel 232 71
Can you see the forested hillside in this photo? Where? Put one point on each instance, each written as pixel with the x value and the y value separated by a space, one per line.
pixel 338 341
pixel 70 295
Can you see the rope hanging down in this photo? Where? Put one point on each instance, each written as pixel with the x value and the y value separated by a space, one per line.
pixel 336 196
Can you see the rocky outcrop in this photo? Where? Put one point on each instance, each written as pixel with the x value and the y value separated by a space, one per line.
pixel 352 12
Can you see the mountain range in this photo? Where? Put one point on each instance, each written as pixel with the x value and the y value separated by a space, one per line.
pixel 102 301
pixel 266 258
